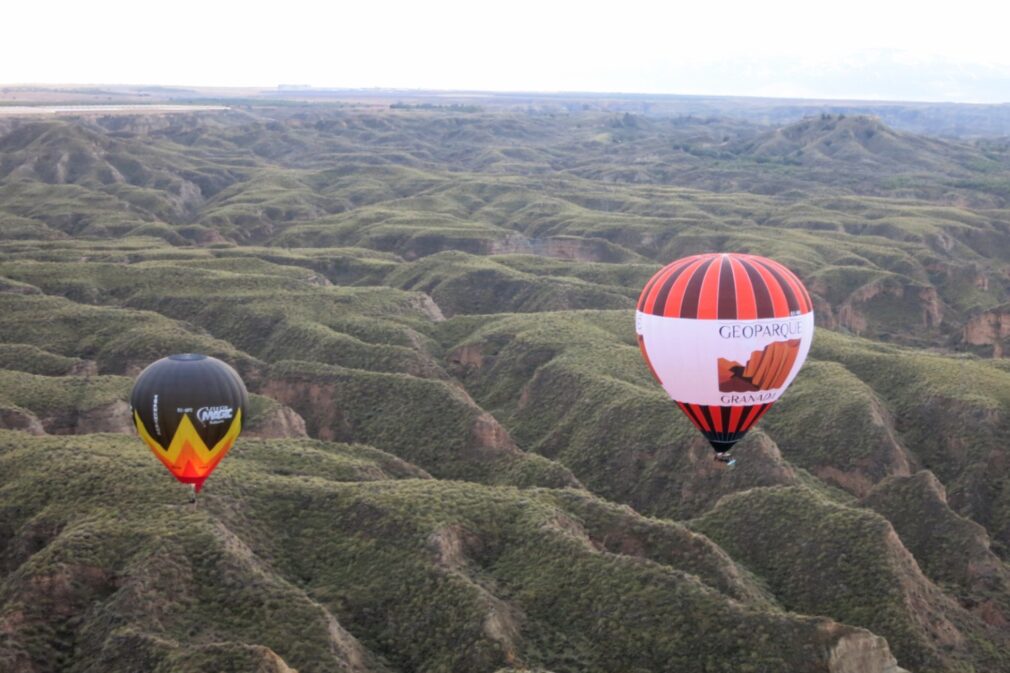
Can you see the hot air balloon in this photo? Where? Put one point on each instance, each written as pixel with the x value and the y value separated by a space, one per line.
pixel 724 334
pixel 189 409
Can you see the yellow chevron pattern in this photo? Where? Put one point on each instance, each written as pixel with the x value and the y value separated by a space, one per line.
pixel 187 457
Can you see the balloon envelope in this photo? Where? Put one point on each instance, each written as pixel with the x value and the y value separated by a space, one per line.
pixel 725 335
pixel 189 408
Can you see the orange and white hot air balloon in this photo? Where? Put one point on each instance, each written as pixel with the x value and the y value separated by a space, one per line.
pixel 725 335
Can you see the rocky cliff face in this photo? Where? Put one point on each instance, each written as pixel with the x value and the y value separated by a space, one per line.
pixel 989 328
pixel 862 653
pixel 885 305
pixel 112 417
pixel 964 563
pixel 16 418
pixel 277 422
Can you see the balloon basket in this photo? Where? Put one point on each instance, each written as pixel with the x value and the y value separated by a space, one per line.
pixel 726 459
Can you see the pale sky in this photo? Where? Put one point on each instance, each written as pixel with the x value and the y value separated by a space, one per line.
pixel 831 49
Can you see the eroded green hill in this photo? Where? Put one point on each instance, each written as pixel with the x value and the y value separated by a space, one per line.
pixel 456 460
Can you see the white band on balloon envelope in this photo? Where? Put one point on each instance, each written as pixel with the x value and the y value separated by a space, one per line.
pixel 685 353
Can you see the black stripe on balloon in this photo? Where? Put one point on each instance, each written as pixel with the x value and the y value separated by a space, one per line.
pixel 740 429
pixel 648 289
pixel 725 411
pixel 692 293
pixel 211 435
pixel 658 307
pixel 745 418
pixel 787 289
pixel 691 415
pixel 706 412
pixel 727 291
pixel 762 298
pixel 756 416
pixel 804 297
pixel 173 380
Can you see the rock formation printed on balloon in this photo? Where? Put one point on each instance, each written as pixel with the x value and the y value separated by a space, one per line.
pixel 766 369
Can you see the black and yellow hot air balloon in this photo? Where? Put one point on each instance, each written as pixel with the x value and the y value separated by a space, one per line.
pixel 189 409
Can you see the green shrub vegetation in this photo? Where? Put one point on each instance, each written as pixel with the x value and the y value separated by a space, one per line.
pixel 492 480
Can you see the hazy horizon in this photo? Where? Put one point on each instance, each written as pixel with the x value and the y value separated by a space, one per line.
pixel 294 87
pixel 780 49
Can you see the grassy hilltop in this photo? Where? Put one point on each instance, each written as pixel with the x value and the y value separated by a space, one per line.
pixel 456 459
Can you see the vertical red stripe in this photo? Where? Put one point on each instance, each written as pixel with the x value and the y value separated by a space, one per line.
pixel 689 415
pixel 762 297
pixel 762 413
pixel 734 419
pixel 692 293
pixel 676 296
pixel 701 417
pixel 724 286
pixel 648 289
pixel 779 302
pixel 716 417
pixel 793 300
pixel 708 302
pixel 727 289
pixel 659 278
pixel 746 304
pixel 797 286
pixel 662 298
pixel 751 417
